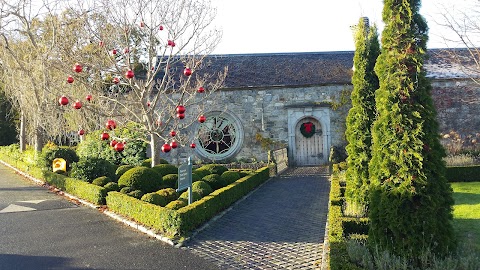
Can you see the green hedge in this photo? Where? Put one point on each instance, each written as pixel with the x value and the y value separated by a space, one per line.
pixel 79 188
pixel 463 174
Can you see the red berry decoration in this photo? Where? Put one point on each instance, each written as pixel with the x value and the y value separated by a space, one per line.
pixel 180 109
pixel 129 74
pixel 202 118
pixel 70 79
pixel 193 145
pixel 173 133
pixel 201 89
pixel 119 147
pixel 81 132
pixel 101 44
pixel 89 97
pixel 180 115
pixel 187 72
pixel 166 148
pixel 77 68
pixel 114 52
pixel 174 144
pixel 116 80
pixel 171 43
pixel 63 100
pixel 148 104
pixel 104 136
pixel 142 24
pixel 111 124
pixel 126 50
pixel 77 105
pixel 113 143
pixel 160 28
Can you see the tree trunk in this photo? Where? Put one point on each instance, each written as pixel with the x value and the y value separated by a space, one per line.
pixel 155 145
pixel 38 137
pixel 22 135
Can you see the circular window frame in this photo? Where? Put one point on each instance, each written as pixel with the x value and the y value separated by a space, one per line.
pixel 234 148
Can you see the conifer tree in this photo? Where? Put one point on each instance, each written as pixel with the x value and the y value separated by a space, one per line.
pixel 361 115
pixel 410 200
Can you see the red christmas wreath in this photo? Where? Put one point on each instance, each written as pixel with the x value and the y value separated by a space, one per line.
pixel 307 129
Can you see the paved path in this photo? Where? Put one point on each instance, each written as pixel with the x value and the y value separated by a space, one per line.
pixel 279 226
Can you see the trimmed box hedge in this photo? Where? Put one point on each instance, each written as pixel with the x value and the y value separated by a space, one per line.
pixel 178 223
pixel 463 173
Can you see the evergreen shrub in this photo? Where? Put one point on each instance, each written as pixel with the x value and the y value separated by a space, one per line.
pixel 90 168
pixel 111 186
pixel 170 180
pixel 214 168
pixel 201 172
pixel 51 152
pixel 136 194
pixel 201 188
pixel 125 190
pixel 164 169
pixel 168 193
pixel 148 162
pixel 229 177
pixel 141 178
pixel 101 181
pixel 195 177
pixel 214 181
pixel 463 174
pixel 122 169
pixel 177 204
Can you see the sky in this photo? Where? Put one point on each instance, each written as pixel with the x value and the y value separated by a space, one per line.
pixel 272 26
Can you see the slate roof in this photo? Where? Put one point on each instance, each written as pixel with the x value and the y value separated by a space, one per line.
pixel 306 69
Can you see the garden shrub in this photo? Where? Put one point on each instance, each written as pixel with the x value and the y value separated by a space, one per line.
pixel 170 180
pixel 79 188
pixel 229 177
pixel 195 177
pixel 51 152
pixel 161 197
pixel 214 168
pixel 214 181
pixel 136 193
pixel 195 196
pixel 148 162
pixel 201 172
pixel 153 198
pixel 126 190
pixel 142 178
pixel 177 204
pixel 90 168
pixel 164 169
pixel 112 186
pixel 202 188
pixel 168 193
pixel 101 181
pixel 122 169
pixel 463 174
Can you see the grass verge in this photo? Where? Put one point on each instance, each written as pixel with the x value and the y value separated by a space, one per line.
pixel 466 212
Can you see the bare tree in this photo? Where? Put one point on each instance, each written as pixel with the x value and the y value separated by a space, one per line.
pixel 151 69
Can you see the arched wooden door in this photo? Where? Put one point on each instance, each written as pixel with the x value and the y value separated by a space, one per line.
pixel 309 144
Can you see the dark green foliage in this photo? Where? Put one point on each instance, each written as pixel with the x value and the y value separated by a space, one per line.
pixel 177 204
pixel 126 190
pixel 51 152
pixel 164 169
pixel 463 174
pixel 229 177
pixel 201 188
pixel 361 115
pixel 122 169
pixel 410 200
pixel 168 193
pixel 157 198
pixel 214 181
pixel 134 153
pixel 148 162
pixel 8 132
pixel 195 196
pixel 88 169
pixel 195 177
pixel 101 181
pixel 201 172
pixel 337 154
pixel 112 186
pixel 170 180
pixel 136 194
pixel 214 168
pixel 141 178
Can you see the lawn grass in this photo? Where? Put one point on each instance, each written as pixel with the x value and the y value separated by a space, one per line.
pixel 466 212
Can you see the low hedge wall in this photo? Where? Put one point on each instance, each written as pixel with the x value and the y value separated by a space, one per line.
pixel 178 223
pixel 463 174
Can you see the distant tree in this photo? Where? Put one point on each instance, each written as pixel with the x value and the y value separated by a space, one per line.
pixel 361 115
pixel 8 132
pixel 411 201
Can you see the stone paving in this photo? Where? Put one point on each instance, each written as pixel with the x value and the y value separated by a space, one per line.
pixel 281 225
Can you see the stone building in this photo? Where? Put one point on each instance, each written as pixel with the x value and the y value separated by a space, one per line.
pixel 300 100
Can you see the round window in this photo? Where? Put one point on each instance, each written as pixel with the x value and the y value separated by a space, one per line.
pixel 220 136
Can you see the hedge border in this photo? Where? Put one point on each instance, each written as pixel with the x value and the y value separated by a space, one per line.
pixel 463 173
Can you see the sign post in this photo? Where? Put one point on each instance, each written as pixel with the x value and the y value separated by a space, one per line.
pixel 185 179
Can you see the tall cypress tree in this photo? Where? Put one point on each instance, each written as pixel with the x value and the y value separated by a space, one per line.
pixel 361 115
pixel 411 201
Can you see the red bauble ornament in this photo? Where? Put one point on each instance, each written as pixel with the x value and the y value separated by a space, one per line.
pixel 126 50
pixel 114 52
pixel 173 133
pixel 166 148
pixel 116 80
pixel 160 28
pixel 81 132
pixel 88 97
pixel 180 115
pixel 180 109
pixel 119 147
pixel 101 43
pixel 104 136
pixel 201 89
pixel 142 24
pixel 187 72
pixel 70 79
pixel 148 104
pixel 202 118
pixel 193 145
pixel 111 124
pixel 77 105
pixel 129 74
pixel 113 143
pixel 63 100
pixel 171 43
pixel 77 68
pixel 174 144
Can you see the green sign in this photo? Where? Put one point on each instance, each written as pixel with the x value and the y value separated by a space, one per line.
pixel 184 177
